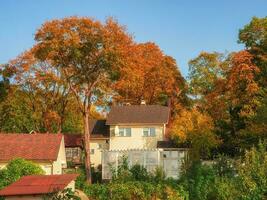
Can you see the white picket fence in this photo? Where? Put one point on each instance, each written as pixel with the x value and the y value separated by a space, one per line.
pixel 170 161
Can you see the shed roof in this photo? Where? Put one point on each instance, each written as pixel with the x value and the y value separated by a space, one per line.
pixel 38 184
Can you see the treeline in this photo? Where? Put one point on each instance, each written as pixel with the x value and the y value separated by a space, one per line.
pixel 229 102
pixel 79 64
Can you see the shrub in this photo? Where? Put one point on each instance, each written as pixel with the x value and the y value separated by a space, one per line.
pixel 199 181
pixel 17 168
pixel 224 189
pixel 139 173
pixel 132 190
pixel 96 191
pixel 252 174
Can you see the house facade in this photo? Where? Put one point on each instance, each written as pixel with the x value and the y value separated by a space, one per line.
pixel 137 126
pixel 139 132
pixel 46 150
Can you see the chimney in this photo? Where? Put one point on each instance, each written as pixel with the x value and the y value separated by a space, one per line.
pixel 143 102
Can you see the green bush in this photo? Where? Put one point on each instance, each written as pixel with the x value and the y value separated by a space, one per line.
pixel 96 191
pixel 17 168
pixel 132 190
pixel 199 181
pixel 251 180
pixel 139 173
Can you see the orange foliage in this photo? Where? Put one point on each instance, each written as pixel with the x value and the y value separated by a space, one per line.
pixel 148 75
pixel 242 89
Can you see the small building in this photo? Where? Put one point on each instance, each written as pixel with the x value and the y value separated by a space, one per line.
pixel 47 150
pixel 36 187
pixel 74 148
pixel 98 142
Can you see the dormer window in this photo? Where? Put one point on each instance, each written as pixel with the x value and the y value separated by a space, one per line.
pixel 149 132
pixel 125 132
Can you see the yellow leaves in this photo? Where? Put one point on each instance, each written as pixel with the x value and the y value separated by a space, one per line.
pixel 197 129
pixel 190 122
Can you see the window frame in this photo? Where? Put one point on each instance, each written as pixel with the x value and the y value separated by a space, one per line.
pixel 125 134
pixel 149 132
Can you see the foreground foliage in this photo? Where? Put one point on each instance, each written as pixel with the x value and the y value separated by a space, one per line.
pixel 16 169
pixel 226 179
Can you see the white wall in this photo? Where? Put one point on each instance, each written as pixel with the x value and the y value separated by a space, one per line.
pixel 95 144
pixel 61 159
pixel 137 140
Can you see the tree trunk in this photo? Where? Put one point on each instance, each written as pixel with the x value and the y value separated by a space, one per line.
pixel 87 147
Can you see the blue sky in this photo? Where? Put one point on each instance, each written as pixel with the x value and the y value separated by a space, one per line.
pixel 182 29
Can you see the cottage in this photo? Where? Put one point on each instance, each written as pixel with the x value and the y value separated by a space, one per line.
pixel 137 126
pixel 139 133
pixel 36 187
pixel 47 150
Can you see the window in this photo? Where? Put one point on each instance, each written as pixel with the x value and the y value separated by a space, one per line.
pixel 112 131
pixel 72 153
pixel 149 132
pixel 92 151
pixel 125 132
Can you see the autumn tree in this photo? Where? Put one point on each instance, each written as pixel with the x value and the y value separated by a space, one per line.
pixel 254 36
pixel 204 72
pixel 242 88
pixel 151 76
pixel 84 51
pixel 195 129
pixel 47 93
pixel 225 88
pixel 207 79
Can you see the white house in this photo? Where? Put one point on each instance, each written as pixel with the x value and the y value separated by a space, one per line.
pixel 137 126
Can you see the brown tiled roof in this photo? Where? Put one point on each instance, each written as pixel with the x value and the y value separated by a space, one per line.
pixel 138 114
pixel 99 129
pixel 29 146
pixel 38 184
pixel 73 140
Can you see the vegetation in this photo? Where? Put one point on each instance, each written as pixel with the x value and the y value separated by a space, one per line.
pixel 17 168
pixel 66 194
pixel 240 179
pixel 79 66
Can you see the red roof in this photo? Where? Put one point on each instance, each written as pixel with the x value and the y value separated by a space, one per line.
pixel 29 146
pixel 38 184
pixel 73 140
